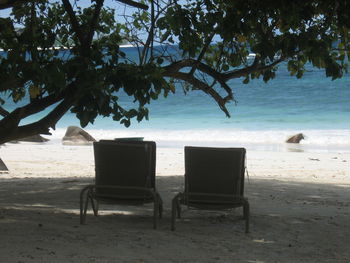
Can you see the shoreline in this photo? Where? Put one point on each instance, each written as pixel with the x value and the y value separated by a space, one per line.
pixel 56 160
pixel 175 144
pixel 332 141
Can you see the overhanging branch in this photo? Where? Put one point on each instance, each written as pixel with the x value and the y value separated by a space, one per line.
pixel 40 127
pixel 248 70
pixel 134 4
pixel 13 119
pixel 202 53
pixel 179 65
pixel 219 76
pixel 175 69
pixel 94 22
pixel 10 3
pixel 50 120
pixel 73 19
pixel 3 112
pixel 200 85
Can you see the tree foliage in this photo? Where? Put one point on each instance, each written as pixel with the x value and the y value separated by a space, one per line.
pixel 213 37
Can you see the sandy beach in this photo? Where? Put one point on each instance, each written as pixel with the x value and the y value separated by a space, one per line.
pixel 300 211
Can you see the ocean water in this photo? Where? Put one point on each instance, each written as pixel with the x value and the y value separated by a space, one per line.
pixel 263 117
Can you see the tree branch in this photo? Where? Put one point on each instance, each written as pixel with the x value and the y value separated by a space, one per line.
pixel 200 85
pixel 3 112
pixel 73 19
pixel 221 77
pixel 50 120
pixel 204 49
pixel 94 22
pixel 177 66
pixel 150 38
pixel 248 70
pixel 40 127
pixel 10 3
pixel 174 71
pixel 12 119
pixel 134 4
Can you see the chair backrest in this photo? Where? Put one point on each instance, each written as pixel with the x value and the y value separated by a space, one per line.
pixel 151 145
pixel 124 164
pixel 213 171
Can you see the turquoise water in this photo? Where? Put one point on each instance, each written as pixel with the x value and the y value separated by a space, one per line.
pixel 265 114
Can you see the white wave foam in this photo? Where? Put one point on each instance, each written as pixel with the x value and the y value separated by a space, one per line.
pixel 221 136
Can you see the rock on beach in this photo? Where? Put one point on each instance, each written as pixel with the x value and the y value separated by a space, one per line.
pixel 3 167
pixel 296 138
pixel 34 138
pixel 77 136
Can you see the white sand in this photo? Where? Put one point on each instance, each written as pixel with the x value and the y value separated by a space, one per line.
pixel 299 204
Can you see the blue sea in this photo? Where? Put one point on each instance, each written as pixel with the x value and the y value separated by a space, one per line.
pixel 263 117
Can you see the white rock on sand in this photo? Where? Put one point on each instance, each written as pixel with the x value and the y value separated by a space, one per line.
pixel 299 203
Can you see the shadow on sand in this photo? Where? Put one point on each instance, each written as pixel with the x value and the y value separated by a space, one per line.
pixel 291 222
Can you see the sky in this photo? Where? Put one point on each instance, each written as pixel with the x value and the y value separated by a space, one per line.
pixel 121 10
pixel 83 3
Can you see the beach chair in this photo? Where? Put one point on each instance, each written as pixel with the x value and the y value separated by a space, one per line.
pixel 214 180
pixel 124 175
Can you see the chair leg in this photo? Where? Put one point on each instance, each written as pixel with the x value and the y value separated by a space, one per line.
pixel 178 208
pixel 175 210
pixel 82 218
pixel 155 212
pixel 160 207
pixel 246 215
pixel 97 207
pixel 86 207
pixel 82 208
pixel 94 206
pixel 173 215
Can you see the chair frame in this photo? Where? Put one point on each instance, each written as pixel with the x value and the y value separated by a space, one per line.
pixel 212 201
pixel 89 192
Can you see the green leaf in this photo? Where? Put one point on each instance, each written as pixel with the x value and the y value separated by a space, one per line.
pixel 225 67
pixel 125 122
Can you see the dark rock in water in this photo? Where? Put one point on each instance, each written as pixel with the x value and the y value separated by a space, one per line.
pixel 296 138
pixel 34 138
pixel 76 135
pixel 3 167
pixel 13 142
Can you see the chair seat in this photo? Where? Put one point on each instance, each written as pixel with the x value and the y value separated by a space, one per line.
pixel 124 201
pixel 113 192
pixel 211 198
pixel 121 199
pixel 212 201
